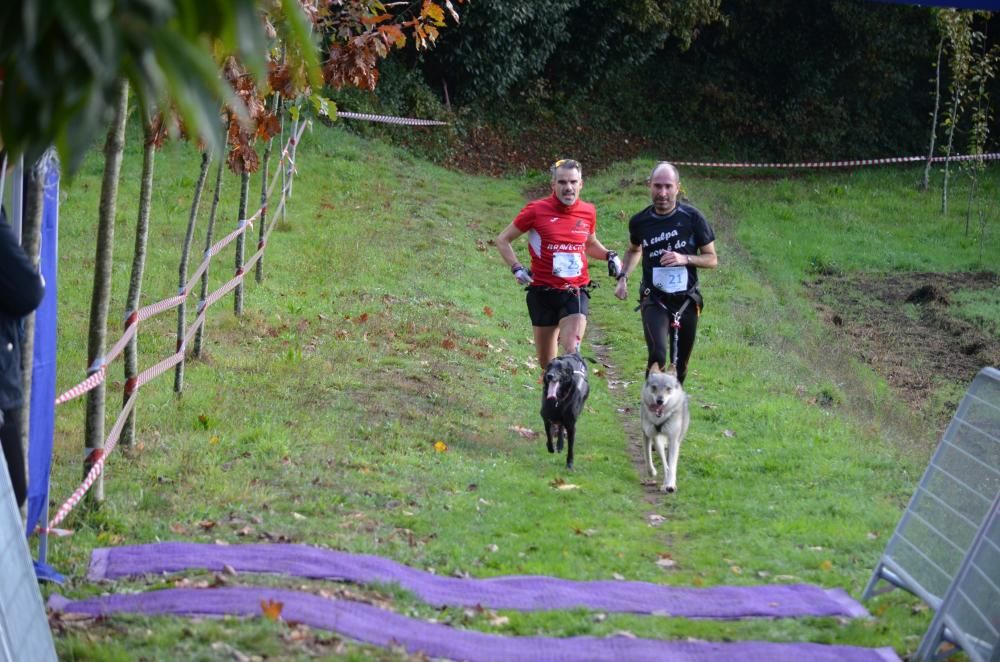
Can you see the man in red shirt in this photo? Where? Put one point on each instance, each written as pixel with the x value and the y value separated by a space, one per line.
pixel 561 232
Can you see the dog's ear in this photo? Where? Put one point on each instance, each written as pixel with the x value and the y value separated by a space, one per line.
pixel 655 368
pixel 672 370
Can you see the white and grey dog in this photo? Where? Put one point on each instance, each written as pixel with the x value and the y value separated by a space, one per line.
pixel 665 419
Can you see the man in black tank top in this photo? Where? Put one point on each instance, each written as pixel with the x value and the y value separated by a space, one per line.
pixel 673 240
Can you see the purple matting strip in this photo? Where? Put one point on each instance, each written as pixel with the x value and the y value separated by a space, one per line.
pixel 525 593
pixel 372 625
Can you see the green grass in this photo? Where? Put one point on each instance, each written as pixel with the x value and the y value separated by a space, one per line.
pixel 387 323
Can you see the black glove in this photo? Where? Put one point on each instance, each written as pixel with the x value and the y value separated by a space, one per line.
pixel 614 264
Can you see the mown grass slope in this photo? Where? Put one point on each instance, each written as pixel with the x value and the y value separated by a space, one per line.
pixel 376 395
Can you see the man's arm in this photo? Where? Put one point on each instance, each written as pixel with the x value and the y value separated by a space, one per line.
pixel 503 242
pixel 21 287
pixel 595 249
pixel 632 257
pixel 706 257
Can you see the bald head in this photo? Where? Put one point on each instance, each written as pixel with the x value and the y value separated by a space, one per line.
pixel 665 166
pixel 664 185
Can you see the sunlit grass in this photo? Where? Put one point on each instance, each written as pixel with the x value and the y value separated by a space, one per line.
pixel 388 323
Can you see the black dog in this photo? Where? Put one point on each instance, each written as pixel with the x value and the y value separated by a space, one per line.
pixel 565 390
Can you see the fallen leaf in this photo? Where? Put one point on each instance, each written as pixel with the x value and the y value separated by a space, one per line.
pixel 179 529
pixel 498 621
pixel 619 577
pixel 492 548
pixel 736 569
pixel 487 311
pixel 656 520
pixel 527 433
pixel 448 343
pixel 666 563
pixel 826 565
pixel 362 318
pixel 728 433
pixel 440 446
pixel 207 524
pixel 296 515
pixel 271 609
pixel 214 439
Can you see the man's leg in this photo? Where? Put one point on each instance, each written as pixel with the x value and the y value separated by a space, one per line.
pixel 688 330
pixel 571 330
pixel 655 328
pixel 546 341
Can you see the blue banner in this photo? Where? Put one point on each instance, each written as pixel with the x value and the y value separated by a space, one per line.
pixel 43 375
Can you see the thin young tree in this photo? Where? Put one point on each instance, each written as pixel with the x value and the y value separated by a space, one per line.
pixel 199 187
pixel 983 70
pixel 31 239
pixel 153 134
pixel 926 182
pixel 957 27
pixel 241 241
pixel 209 230
pixel 114 148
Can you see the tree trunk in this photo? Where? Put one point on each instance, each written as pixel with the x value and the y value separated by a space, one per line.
pixel 934 120
pixel 947 153
pixel 182 271
pixel 208 244
pixel 130 357
pixel 259 270
pixel 114 148
pixel 31 240
pixel 241 242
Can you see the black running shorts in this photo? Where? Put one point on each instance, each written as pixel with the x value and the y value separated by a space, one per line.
pixel 547 306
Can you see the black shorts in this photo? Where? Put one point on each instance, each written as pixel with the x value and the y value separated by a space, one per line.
pixel 546 306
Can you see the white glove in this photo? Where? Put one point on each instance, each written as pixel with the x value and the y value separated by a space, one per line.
pixel 522 275
pixel 614 264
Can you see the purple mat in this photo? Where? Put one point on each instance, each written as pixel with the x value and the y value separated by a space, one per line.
pixel 372 625
pixel 524 593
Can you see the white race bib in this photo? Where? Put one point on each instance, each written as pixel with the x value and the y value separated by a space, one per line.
pixel 670 279
pixel 567 265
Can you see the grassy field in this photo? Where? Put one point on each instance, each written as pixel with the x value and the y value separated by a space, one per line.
pixel 388 323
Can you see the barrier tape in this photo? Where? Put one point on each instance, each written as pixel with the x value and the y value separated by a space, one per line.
pixel 389 119
pixel 991 156
pixel 98 375
pixel 95 470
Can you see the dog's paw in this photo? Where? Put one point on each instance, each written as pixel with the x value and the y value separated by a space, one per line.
pixel 548 445
pixel 652 471
pixel 669 489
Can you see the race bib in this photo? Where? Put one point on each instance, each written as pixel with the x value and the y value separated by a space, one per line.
pixel 670 279
pixel 567 265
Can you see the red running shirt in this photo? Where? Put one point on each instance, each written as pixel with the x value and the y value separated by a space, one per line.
pixel 557 238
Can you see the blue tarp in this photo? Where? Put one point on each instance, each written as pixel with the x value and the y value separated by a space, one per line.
pixel 43 375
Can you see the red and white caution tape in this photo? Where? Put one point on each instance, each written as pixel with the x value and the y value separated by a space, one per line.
pixel 991 156
pixel 389 119
pixel 99 456
pixel 98 372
